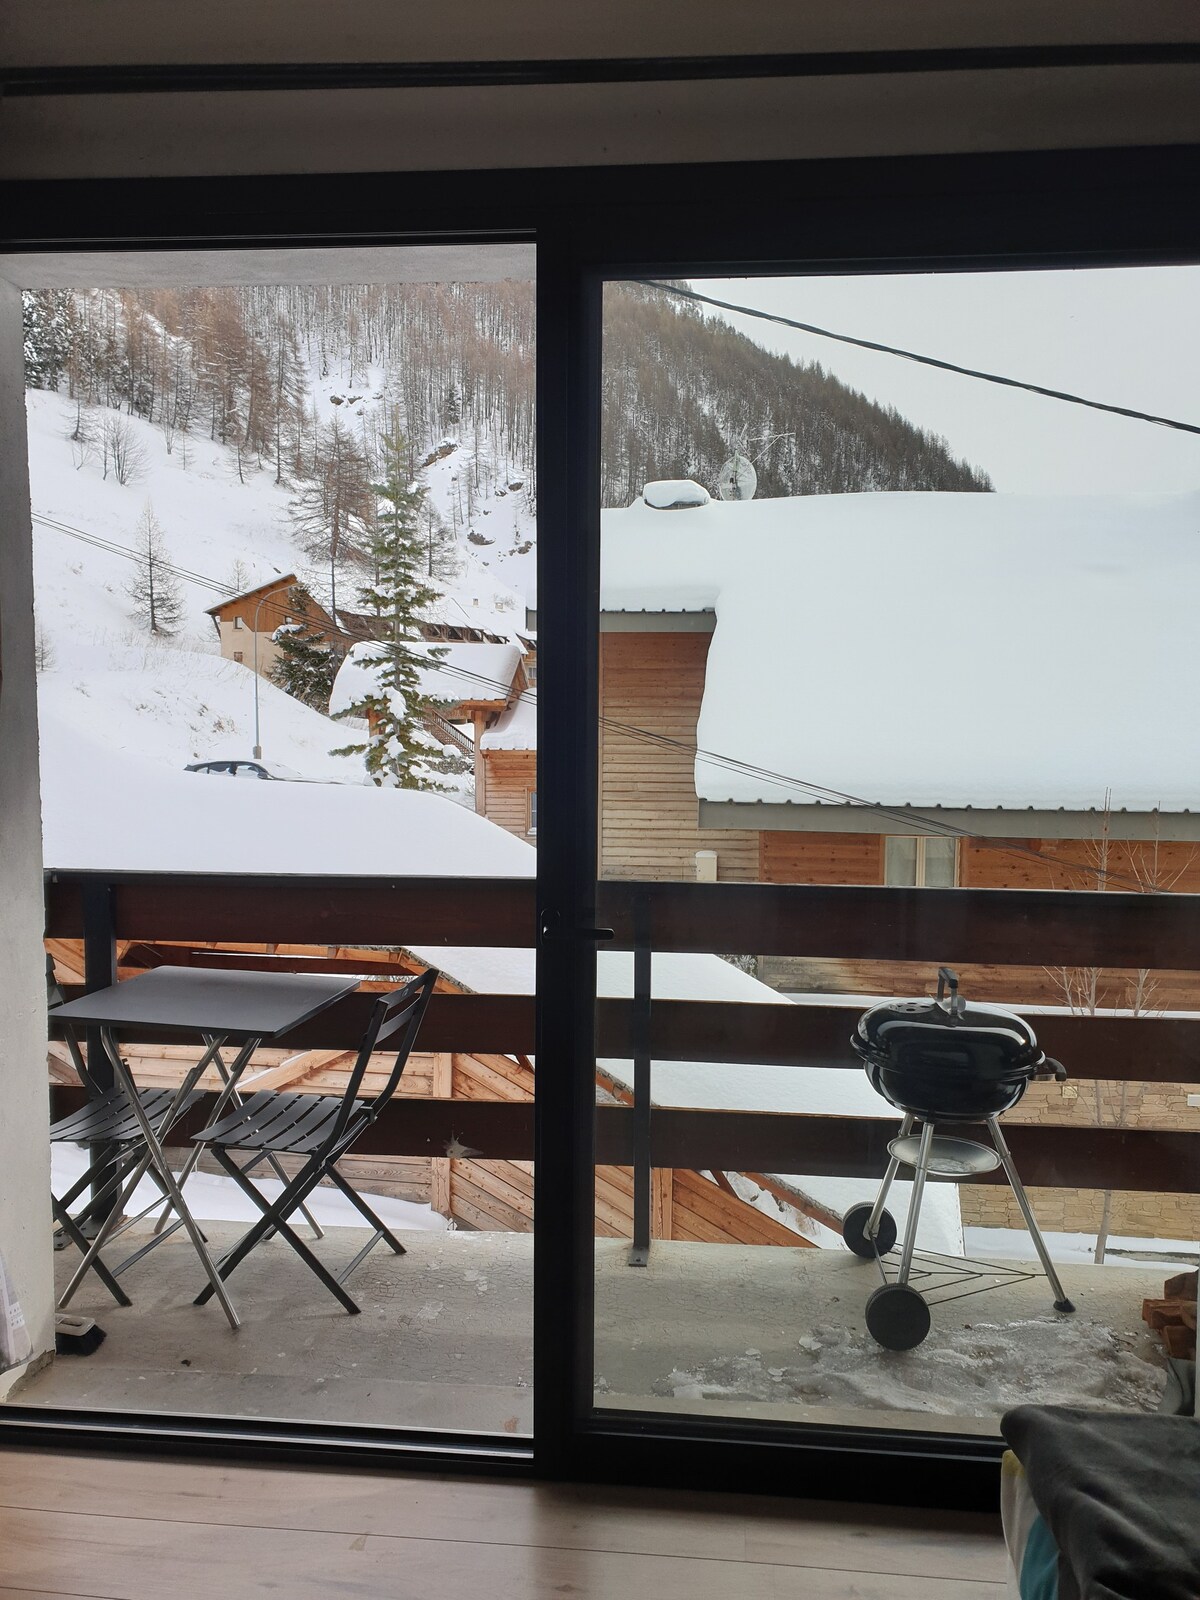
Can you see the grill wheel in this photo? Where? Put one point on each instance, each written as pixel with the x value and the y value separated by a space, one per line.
pixel 897 1317
pixel 854 1234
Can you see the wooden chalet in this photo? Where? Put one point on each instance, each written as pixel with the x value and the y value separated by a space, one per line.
pixel 669 811
pixel 479 681
pixel 246 624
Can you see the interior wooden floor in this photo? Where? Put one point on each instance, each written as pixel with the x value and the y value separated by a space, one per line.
pixel 85 1525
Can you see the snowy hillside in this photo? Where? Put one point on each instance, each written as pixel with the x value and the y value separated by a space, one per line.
pixel 481 502
pixel 174 700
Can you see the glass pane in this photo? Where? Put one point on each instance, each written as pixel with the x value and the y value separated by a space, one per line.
pixel 804 710
pixel 941 859
pixel 900 861
pixel 285 532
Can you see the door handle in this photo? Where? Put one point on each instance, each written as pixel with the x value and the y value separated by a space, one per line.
pixel 551 928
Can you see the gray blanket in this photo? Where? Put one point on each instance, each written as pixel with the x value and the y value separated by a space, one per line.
pixel 1120 1494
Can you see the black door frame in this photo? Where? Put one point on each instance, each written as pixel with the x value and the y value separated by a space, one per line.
pixel 1041 209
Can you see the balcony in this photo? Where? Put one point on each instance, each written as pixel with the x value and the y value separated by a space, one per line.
pixel 713 1324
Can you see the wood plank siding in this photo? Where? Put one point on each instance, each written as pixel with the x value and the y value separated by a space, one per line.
pixel 821 858
pixel 649 815
pixel 509 776
pixel 1169 865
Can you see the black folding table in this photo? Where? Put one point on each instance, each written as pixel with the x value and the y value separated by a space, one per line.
pixel 223 1008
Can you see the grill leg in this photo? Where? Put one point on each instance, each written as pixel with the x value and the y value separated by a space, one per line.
pixel 1061 1303
pixel 914 1204
pixel 893 1167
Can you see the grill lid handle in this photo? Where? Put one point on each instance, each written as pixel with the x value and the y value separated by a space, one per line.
pixel 955 1005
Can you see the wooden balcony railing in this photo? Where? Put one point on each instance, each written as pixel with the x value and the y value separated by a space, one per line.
pixel 1014 927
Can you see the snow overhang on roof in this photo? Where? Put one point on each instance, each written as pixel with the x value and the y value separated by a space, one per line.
pixel 516 729
pixel 998 653
pixel 457 674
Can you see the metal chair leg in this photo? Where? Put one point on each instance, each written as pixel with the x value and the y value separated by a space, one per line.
pixel 361 1205
pixel 1061 1303
pixel 914 1204
pixel 274 1215
pixel 893 1167
pixel 67 1223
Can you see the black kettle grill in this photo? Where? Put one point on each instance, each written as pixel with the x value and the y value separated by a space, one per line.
pixel 940 1061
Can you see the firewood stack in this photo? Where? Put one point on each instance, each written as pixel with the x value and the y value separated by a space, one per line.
pixel 1173 1317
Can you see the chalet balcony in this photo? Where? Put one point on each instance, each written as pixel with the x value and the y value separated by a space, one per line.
pixel 747 1305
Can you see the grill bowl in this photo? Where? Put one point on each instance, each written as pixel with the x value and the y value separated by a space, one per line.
pixel 947 1061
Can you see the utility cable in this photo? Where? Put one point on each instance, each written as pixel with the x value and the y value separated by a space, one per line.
pixel 912 355
pixel 820 793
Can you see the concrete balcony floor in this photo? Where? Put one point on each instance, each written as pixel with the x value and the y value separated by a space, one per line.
pixel 445 1338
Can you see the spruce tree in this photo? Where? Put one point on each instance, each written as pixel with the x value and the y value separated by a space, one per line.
pixel 48 326
pixel 305 666
pixel 397 752
pixel 154 589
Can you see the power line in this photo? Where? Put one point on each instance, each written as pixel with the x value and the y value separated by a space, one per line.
pixel 820 793
pixel 912 355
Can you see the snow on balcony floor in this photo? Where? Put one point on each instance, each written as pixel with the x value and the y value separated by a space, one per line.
pixel 445 1339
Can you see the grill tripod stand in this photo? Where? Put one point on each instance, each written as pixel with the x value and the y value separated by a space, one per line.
pixel 897 1314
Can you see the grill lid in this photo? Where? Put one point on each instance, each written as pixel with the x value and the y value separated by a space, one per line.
pixel 893 1031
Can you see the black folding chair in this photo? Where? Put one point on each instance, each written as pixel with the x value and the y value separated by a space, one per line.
pixel 321 1130
pixel 107 1128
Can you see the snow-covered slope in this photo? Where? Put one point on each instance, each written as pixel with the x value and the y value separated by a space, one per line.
pixel 210 521
pixel 112 809
pixel 174 700
pixel 481 499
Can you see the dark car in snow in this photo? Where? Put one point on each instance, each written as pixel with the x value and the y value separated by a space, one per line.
pixel 239 768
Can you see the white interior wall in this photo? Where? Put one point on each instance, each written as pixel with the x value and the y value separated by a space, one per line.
pixel 25 1223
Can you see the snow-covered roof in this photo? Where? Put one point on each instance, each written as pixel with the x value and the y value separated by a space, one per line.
pixel 270 587
pixel 142 817
pixel 674 494
pixel 456 672
pixel 925 649
pixel 515 730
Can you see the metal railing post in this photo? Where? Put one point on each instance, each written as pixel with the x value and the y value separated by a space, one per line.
pixel 99 972
pixel 639 1254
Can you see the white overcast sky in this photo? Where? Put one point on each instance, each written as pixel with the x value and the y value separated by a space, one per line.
pixel 1129 336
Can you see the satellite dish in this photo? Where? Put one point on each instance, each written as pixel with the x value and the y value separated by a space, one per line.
pixel 737 479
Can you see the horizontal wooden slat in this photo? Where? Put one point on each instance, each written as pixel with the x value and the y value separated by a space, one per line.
pixel 488 1023
pixel 1015 927
pixel 498 1129
pixel 744 1141
pixel 386 911
pixel 1135 1049
pixel 1132 1049
pixel 741 1141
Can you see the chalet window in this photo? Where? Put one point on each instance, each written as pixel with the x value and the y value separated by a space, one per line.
pixel 533 811
pixel 239 622
pixel 920 861
pixel 238 655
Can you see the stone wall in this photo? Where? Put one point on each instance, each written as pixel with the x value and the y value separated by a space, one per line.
pixel 1140 1215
